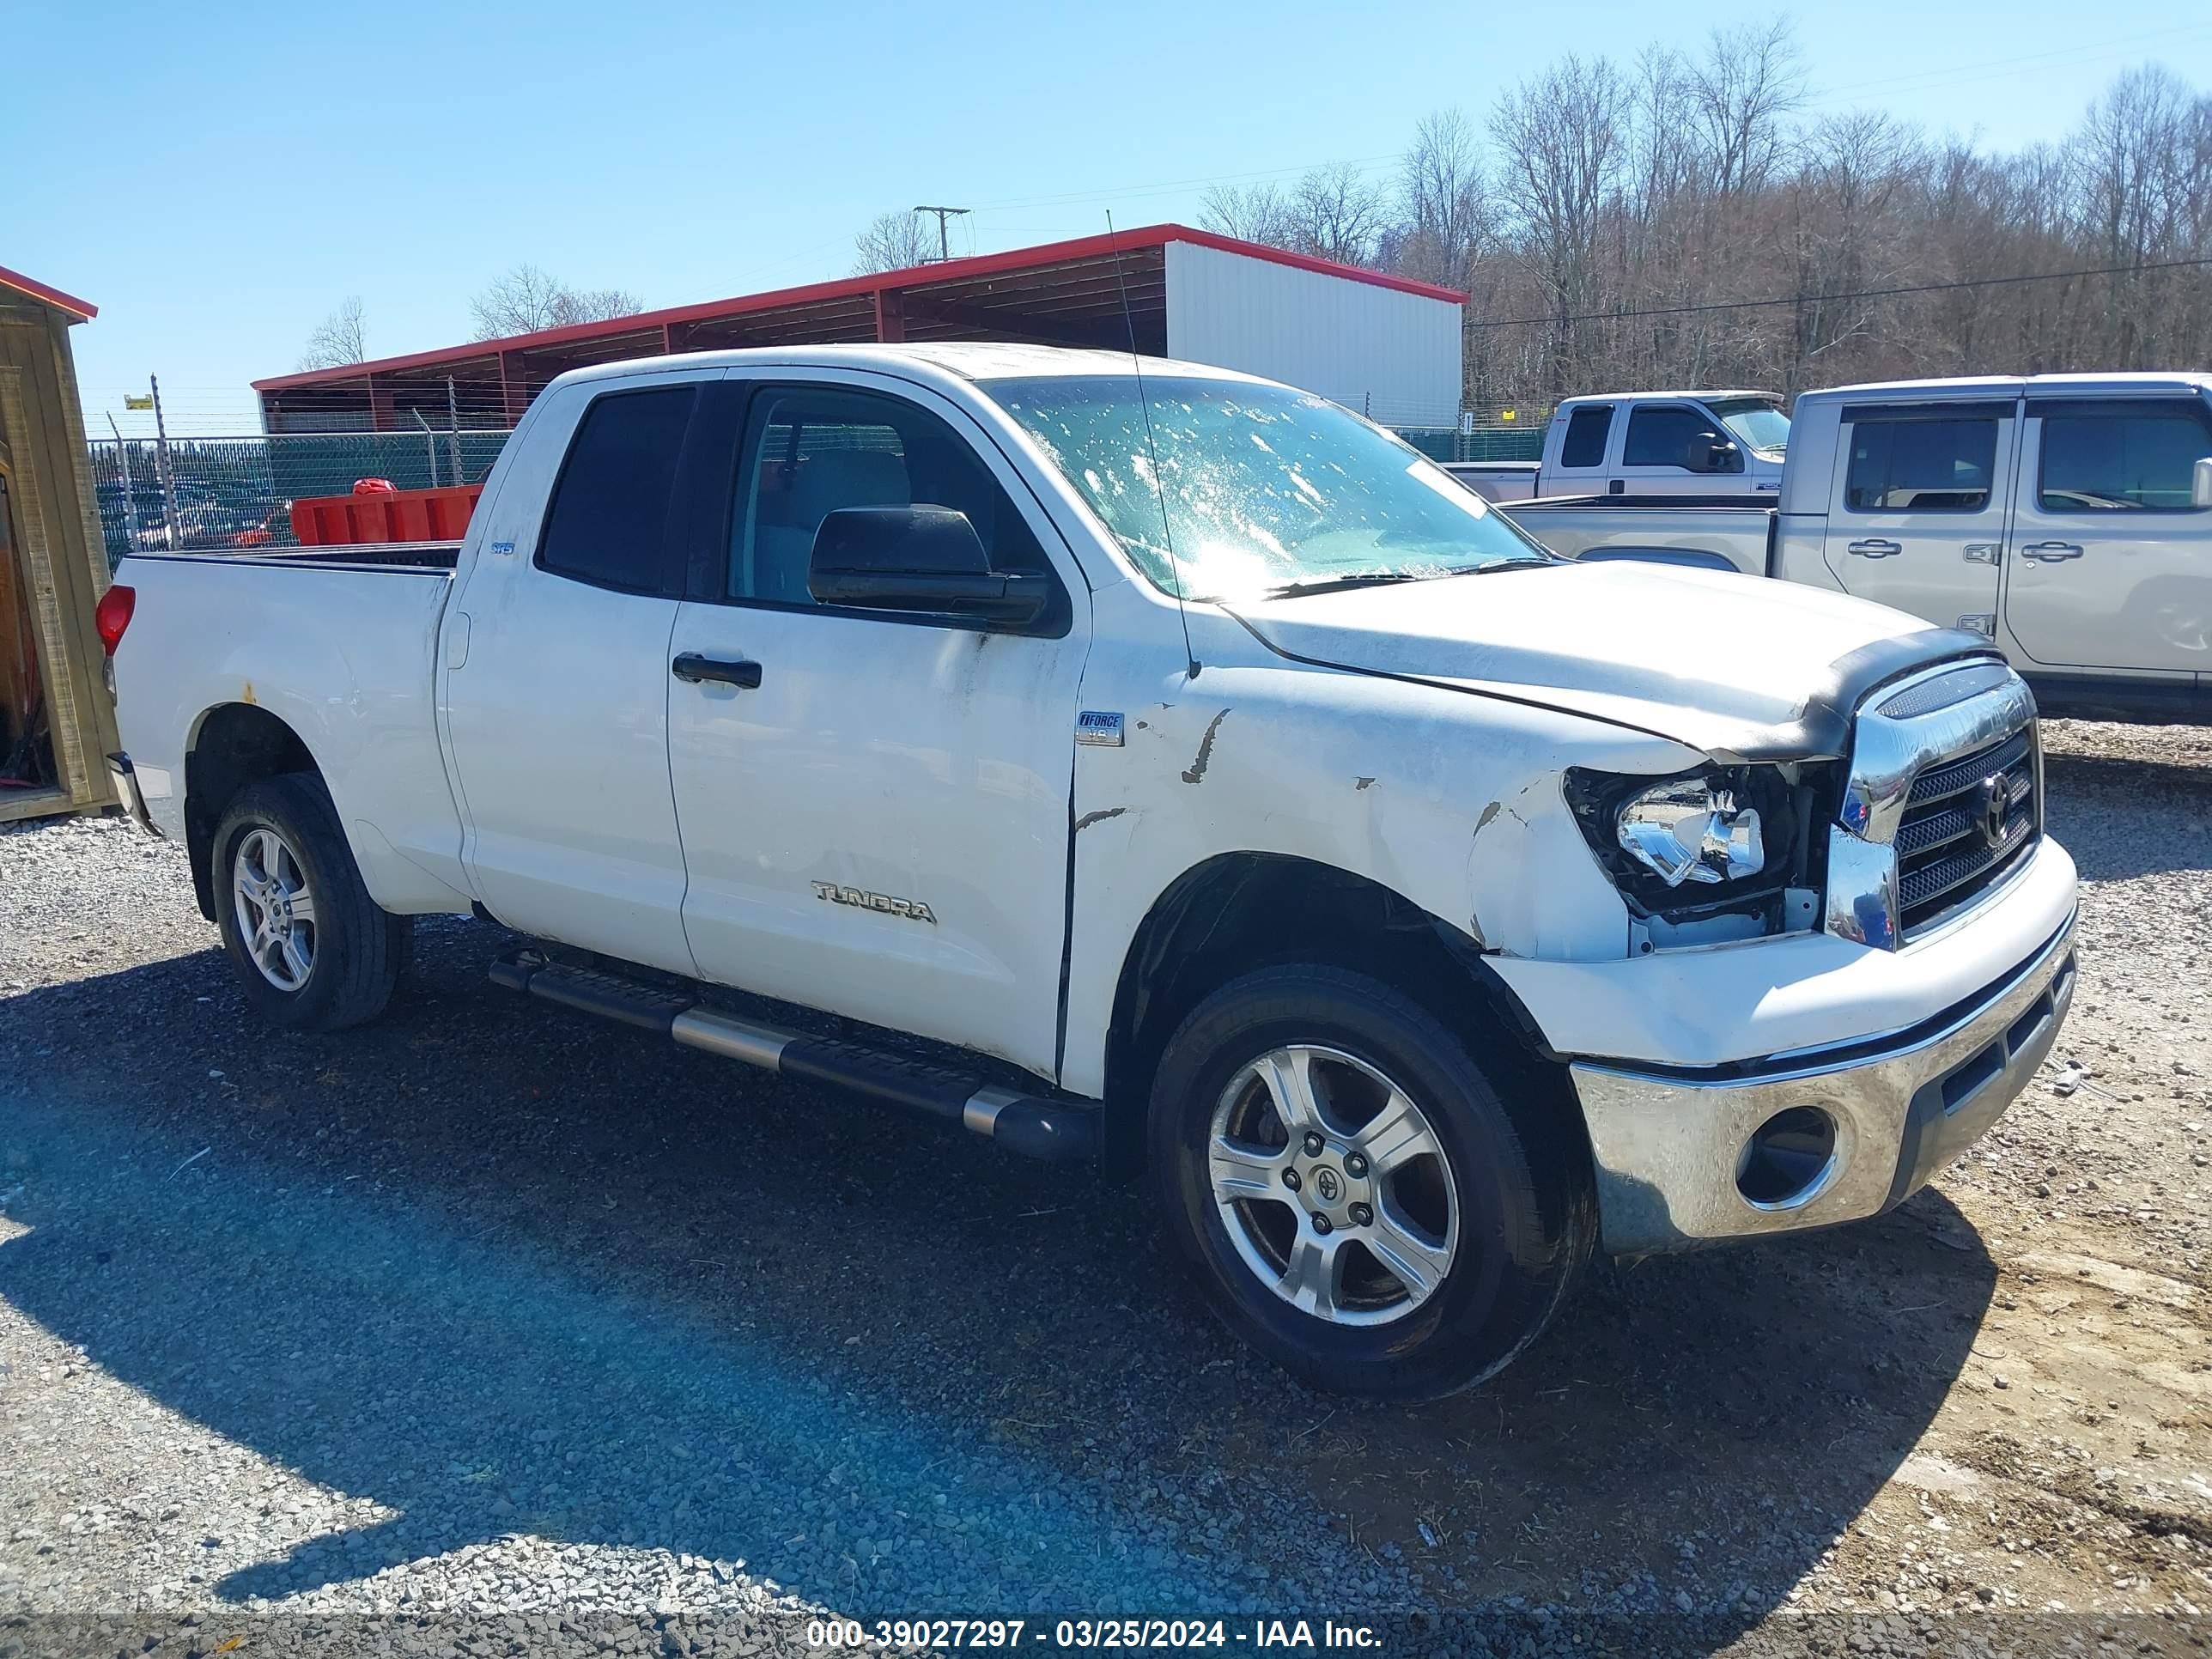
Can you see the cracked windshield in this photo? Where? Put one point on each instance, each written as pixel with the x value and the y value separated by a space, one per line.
pixel 1259 491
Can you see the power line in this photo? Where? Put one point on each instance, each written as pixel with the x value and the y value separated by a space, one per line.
pixel 1948 74
pixel 1857 293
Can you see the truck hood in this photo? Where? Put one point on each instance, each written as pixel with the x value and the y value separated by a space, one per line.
pixel 1741 667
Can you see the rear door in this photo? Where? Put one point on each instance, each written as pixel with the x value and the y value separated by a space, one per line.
pixel 1579 467
pixel 1656 448
pixel 2112 566
pixel 555 679
pixel 1917 514
pixel 876 822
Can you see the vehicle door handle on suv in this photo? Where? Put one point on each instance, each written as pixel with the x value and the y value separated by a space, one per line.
pixel 2050 552
pixel 1874 549
pixel 692 668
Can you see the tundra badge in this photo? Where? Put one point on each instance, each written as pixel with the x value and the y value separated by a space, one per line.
pixel 912 909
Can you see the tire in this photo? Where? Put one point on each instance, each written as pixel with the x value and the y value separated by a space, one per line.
pixel 1492 1212
pixel 279 838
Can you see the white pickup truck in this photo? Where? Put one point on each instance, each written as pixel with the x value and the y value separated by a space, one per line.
pixel 1723 445
pixel 2067 518
pixel 1171 765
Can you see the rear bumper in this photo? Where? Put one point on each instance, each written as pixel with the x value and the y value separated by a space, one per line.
pixel 127 786
pixel 1666 1142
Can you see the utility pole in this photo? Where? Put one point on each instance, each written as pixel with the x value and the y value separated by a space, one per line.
pixel 453 429
pixel 130 489
pixel 161 465
pixel 944 243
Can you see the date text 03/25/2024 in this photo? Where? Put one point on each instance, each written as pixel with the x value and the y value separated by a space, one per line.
pixel 1283 1635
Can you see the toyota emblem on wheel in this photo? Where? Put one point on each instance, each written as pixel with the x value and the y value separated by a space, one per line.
pixel 1327 1185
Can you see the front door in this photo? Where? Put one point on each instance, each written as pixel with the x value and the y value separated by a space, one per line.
pixel 1918 509
pixel 875 807
pixel 2112 566
pixel 556 680
pixel 1663 448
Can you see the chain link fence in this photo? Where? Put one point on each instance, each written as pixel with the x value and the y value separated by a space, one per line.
pixel 214 493
pixel 1482 443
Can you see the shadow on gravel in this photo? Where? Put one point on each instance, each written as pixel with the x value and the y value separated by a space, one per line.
pixel 500 1271
pixel 2126 818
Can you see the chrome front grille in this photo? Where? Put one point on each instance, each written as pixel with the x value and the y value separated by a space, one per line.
pixel 1967 823
pixel 1942 802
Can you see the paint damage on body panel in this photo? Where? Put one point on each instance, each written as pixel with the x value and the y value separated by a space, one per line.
pixel 1196 772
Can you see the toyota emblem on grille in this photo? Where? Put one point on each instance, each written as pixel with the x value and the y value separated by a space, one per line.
pixel 1992 798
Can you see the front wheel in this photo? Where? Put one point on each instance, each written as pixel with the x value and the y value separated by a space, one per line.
pixel 1363 1203
pixel 314 951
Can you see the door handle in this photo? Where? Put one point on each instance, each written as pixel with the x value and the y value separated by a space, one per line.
pixel 1874 549
pixel 692 668
pixel 2050 552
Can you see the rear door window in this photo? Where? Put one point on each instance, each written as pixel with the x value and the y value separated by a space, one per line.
pixel 2120 458
pixel 1660 434
pixel 1934 464
pixel 608 521
pixel 1588 428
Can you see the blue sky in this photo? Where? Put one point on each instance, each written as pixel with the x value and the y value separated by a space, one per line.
pixel 231 172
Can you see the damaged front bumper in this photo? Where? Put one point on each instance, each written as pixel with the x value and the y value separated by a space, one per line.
pixel 1678 1154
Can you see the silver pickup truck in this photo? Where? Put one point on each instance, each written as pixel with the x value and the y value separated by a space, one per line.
pixel 2067 518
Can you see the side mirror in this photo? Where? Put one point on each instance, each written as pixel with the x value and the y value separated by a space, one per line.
pixel 921 558
pixel 2200 484
pixel 1713 454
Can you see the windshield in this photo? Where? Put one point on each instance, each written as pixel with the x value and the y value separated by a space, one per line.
pixel 1264 490
pixel 1758 422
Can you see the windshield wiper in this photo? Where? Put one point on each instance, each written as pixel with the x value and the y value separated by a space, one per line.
pixel 1504 564
pixel 1331 584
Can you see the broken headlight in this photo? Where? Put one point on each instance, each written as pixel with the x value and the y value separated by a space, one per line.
pixel 1709 854
pixel 1692 830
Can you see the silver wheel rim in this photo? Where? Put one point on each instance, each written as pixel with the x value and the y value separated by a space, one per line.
pixel 275 910
pixel 1332 1186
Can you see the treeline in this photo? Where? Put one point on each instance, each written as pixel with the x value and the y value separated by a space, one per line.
pixel 1617 226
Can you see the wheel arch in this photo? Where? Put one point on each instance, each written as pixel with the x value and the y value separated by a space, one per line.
pixel 1236 912
pixel 232 745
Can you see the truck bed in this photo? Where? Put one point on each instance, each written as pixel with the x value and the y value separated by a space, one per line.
pixel 341 645
pixel 1715 532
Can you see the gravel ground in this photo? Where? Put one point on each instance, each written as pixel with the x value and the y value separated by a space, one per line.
pixel 486 1327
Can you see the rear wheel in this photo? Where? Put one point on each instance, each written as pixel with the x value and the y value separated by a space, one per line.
pixel 314 951
pixel 1363 1203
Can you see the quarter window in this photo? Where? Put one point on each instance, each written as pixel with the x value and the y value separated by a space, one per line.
pixel 1937 465
pixel 810 452
pixel 608 522
pixel 1587 427
pixel 2121 460
pixel 1660 434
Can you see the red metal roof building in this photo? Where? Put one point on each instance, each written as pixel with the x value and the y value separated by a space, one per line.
pixel 80 310
pixel 1372 341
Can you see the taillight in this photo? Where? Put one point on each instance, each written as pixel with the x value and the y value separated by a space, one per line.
pixel 112 615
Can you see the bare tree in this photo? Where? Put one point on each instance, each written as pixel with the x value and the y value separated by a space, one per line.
pixel 338 339
pixel 1444 207
pixel 893 241
pixel 599 305
pixel 528 299
pixel 1337 213
pixel 1562 134
pixel 1740 98
pixel 1253 213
